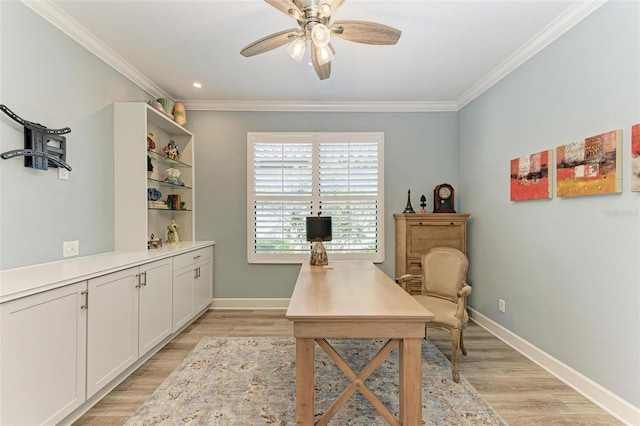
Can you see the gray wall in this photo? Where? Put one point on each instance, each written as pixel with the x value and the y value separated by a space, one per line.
pixel 568 268
pixel 420 152
pixel 48 78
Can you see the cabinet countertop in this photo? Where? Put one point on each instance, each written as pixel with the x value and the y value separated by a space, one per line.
pixel 28 280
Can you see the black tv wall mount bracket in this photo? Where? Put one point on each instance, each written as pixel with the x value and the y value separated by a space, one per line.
pixel 43 147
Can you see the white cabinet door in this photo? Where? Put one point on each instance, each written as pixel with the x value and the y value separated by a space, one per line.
pixel 42 356
pixel 204 284
pixel 112 338
pixel 183 296
pixel 155 320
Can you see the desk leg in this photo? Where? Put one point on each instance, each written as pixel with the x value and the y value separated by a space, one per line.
pixel 304 381
pixel 411 381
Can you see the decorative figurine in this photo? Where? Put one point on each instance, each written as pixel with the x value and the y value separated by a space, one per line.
pixel 171 150
pixel 173 177
pixel 154 242
pixel 408 208
pixel 423 204
pixel 149 167
pixel 172 233
pixel 151 142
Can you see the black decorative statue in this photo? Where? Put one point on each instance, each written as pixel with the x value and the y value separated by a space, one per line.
pixel 408 208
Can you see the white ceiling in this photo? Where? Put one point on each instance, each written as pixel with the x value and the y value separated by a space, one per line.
pixel 450 51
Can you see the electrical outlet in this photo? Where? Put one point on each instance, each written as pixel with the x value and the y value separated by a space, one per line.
pixel 70 248
pixel 502 306
pixel 63 173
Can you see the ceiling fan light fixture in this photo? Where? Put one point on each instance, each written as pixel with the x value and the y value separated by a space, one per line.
pixel 320 35
pixel 324 54
pixel 324 10
pixel 297 47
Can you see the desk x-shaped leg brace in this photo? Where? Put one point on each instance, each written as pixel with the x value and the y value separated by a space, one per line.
pixel 357 381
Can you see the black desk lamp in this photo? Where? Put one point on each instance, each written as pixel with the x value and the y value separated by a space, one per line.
pixel 318 230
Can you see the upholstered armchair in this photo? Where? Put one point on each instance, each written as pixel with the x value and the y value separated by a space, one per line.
pixel 444 292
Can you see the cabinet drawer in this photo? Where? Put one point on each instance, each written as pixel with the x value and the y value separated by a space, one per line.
pixel 192 257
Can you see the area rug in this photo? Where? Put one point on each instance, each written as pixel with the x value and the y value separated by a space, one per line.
pixel 251 381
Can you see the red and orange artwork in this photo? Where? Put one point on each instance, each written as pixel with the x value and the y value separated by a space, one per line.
pixel 590 166
pixel 530 176
pixel 635 157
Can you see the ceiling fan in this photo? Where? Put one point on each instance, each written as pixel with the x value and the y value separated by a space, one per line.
pixel 314 21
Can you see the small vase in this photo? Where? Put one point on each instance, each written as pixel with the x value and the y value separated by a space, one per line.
pixel 179 113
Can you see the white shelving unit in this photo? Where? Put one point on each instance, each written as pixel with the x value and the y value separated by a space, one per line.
pixel 134 220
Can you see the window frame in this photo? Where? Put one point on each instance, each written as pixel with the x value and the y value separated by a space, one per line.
pixel 316 138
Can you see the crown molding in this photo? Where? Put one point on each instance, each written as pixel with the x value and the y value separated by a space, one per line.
pixel 58 18
pixel 304 106
pixel 563 23
pixel 48 10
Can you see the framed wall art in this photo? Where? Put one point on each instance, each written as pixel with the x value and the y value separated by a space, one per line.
pixel 590 166
pixel 635 157
pixel 530 178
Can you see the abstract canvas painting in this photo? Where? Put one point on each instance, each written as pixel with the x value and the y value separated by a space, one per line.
pixel 590 166
pixel 530 178
pixel 635 157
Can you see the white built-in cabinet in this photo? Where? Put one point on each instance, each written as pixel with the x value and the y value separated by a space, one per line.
pixel 42 356
pixel 64 348
pixel 135 220
pixel 192 292
pixel 129 313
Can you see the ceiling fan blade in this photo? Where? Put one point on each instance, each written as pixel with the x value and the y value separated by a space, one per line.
pixel 269 42
pixel 366 32
pixel 323 71
pixel 288 7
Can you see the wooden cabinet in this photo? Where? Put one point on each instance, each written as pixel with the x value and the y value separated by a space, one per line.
pixel 417 233
pixel 135 218
pixel 129 313
pixel 192 285
pixel 42 356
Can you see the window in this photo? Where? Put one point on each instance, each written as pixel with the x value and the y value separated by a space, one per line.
pixel 294 175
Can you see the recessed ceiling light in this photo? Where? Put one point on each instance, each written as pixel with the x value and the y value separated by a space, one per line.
pixel 198 85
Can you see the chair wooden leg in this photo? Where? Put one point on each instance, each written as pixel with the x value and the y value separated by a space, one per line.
pixel 462 348
pixel 455 344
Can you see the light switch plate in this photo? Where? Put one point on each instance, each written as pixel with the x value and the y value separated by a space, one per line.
pixel 70 248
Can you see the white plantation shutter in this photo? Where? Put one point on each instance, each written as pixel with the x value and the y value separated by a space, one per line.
pixel 291 176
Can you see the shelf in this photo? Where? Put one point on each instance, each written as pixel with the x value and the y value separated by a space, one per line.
pixel 159 158
pixel 136 222
pixel 166 184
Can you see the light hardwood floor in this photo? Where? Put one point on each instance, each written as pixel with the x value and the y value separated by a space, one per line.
pixel 522 392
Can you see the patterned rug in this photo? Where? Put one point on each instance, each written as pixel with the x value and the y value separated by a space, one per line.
pixel 251 381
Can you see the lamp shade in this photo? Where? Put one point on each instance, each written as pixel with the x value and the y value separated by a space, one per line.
pixel 318 228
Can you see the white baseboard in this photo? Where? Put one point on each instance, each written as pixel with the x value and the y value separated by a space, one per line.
pixel 229 303
pixel 605 399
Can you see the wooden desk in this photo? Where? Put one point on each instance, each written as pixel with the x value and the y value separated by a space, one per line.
pixel 356 300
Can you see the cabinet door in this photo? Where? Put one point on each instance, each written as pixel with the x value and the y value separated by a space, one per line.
pixel 154 314
pixel 42 356
pixel 112 334
pixel 204 284
pixel 183 296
